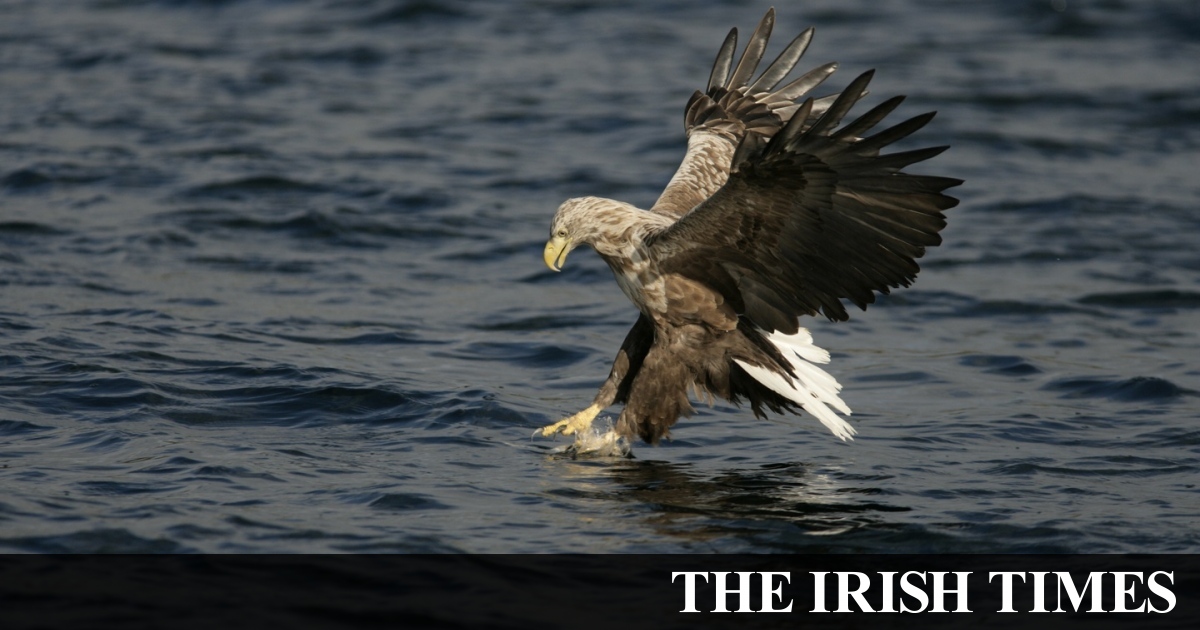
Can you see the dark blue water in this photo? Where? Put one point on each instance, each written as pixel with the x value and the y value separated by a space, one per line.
pixel 270 280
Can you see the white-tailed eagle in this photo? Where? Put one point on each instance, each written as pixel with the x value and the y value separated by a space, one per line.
pixel 777 211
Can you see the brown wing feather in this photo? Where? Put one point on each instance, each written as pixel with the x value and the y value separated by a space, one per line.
pixel 812 217
pixel 733 108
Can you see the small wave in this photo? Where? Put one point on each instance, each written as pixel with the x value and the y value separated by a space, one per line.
pixel 223 473
pixel 108 168
pixel 1077 204
pixel 340 227
pixel 1000 364
pixel 476 408
pixel 9 428
pixel 256 186
pixel 1169 438
pixel 29 228
pixel 536 323
pixel 1167 298
pixel 83 392
pixel 1108 466
pixel 907 376
pixel 359 55
pixel 413 201
pixel 1136 389
pixel 38 176
pixel 93 541
pixel 249 151
pixel 404 502
pixel 1001 308
pixel 292 405
pixel 1050 147
pixel 364 339
pixel 414 11
pixel 256 264
pixel 171 466
pixel 519 353
pixel 112 488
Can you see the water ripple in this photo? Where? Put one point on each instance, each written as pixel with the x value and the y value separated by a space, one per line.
pixel 1131 390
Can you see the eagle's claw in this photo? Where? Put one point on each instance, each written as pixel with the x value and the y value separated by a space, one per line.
pixel 572 425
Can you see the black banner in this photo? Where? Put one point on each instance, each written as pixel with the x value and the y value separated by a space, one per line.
pixel 615 592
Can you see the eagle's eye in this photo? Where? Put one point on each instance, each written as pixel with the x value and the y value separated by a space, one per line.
pixel 561 233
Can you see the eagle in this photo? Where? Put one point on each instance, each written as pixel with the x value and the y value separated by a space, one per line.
pixel 778 211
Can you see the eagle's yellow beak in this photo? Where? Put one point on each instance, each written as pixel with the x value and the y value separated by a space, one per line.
pixel 556 252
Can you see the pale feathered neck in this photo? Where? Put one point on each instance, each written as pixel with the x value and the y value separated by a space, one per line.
pixel 613 228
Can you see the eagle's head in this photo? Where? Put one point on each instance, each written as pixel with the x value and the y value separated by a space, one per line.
pixel 612 228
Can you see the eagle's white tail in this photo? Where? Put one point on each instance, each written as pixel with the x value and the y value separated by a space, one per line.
pixel 812 388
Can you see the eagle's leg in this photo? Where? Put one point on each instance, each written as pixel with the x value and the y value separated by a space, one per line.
pixel 573 425
pixel 615 388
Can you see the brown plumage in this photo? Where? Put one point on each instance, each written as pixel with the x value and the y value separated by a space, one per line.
pixel 775 212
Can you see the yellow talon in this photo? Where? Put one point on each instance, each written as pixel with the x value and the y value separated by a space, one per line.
pixel 575 424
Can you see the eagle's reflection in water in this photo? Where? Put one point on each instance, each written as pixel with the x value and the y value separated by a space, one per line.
pixel 792 506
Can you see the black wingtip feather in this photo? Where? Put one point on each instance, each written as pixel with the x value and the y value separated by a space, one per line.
pixel 897 161
pixel 784 63
pixel 756 45
pixel 868 120
pixel 780 142
pixel 832 116
pixel 894 133
pixel 804 84
pixel 723 62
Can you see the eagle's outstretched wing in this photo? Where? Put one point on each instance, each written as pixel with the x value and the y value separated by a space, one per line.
pixel 811 216
pixel 733 107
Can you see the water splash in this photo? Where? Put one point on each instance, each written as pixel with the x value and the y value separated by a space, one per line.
pixel 599 440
